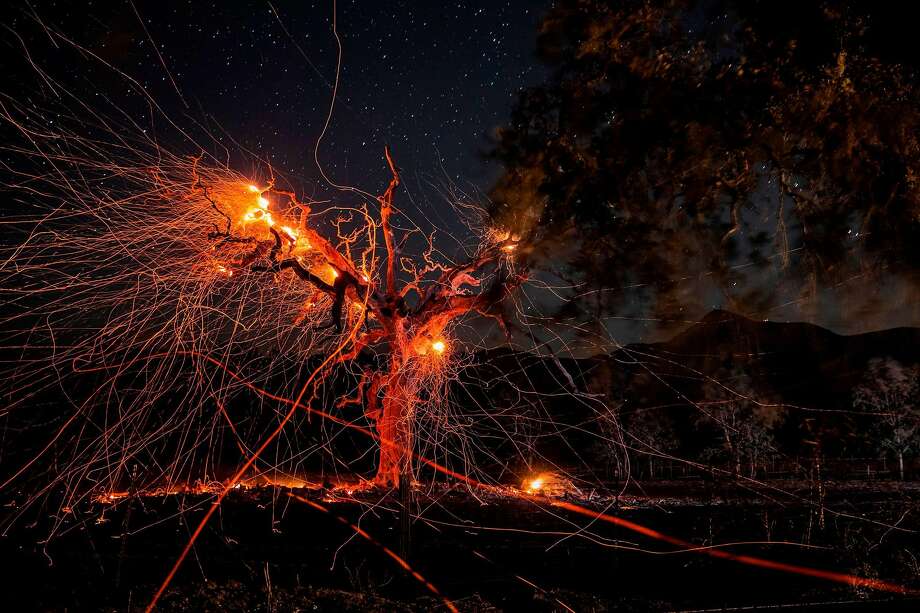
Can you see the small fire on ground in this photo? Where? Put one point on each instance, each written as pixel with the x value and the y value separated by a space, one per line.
pixel 548 484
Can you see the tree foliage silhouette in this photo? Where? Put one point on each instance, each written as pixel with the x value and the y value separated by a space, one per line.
pixel 730 145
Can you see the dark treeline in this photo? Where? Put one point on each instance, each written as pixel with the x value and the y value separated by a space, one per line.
pixel 728 396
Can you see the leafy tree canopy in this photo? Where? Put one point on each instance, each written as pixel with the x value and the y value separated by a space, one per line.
pixel 756 151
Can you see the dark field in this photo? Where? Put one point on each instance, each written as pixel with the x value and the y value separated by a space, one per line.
pixel 265 551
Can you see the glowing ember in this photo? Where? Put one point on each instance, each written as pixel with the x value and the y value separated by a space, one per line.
pixel 550 484
pixel 402 307
pixel 290 232
pixel 115 256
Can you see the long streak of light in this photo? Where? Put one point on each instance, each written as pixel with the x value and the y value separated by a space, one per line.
pixel 392 554
pixel 836 577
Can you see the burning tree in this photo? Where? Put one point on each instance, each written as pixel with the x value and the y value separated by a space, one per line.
pixel 149 289
pixel 149 269
pixel 153 274
pixel 404 314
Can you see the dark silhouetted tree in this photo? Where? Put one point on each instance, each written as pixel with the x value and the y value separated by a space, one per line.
pixel 711 149
pixel 891 393
pixel 745 424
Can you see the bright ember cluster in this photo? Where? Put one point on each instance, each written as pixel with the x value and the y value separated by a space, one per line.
pixel 173 284
pixel 378 298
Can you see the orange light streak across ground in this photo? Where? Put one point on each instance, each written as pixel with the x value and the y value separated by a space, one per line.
pixel 252 459
pixel 837 577
pixel 399 560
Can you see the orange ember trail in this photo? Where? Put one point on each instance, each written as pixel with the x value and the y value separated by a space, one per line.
pixel 852 580
pixel 399 560
pixel 252 459
pixel 132 262
pixel 526 582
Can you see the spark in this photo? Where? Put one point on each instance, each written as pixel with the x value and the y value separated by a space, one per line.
pixel 290 232
pixel 389 552
pixel 150 281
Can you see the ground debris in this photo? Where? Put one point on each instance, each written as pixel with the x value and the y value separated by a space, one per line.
pixel 233 596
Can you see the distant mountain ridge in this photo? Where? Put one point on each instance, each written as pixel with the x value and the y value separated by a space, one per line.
pixel 806 374
pixel 720 327
pixel 789 357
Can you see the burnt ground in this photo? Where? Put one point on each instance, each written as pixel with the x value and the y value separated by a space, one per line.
pixel 265 551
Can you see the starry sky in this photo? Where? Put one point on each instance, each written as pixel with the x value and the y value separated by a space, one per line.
pixel 433 80
pixel 253 80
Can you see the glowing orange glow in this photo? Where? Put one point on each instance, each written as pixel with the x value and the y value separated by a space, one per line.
pixel 290 232
pixel 549 485
pixel 442 292
pixel 295 404
pixel 204 488
pixel 259 215
pixel 425 345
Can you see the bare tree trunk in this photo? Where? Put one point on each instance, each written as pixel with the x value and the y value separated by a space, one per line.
pixel 733 450
pixel 388 467
pixel 395 467
pixel 395 441
pixel 819 484
pixel 901 464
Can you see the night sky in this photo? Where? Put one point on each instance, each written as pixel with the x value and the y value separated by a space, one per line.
pixel 432 80
pixel 253 82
